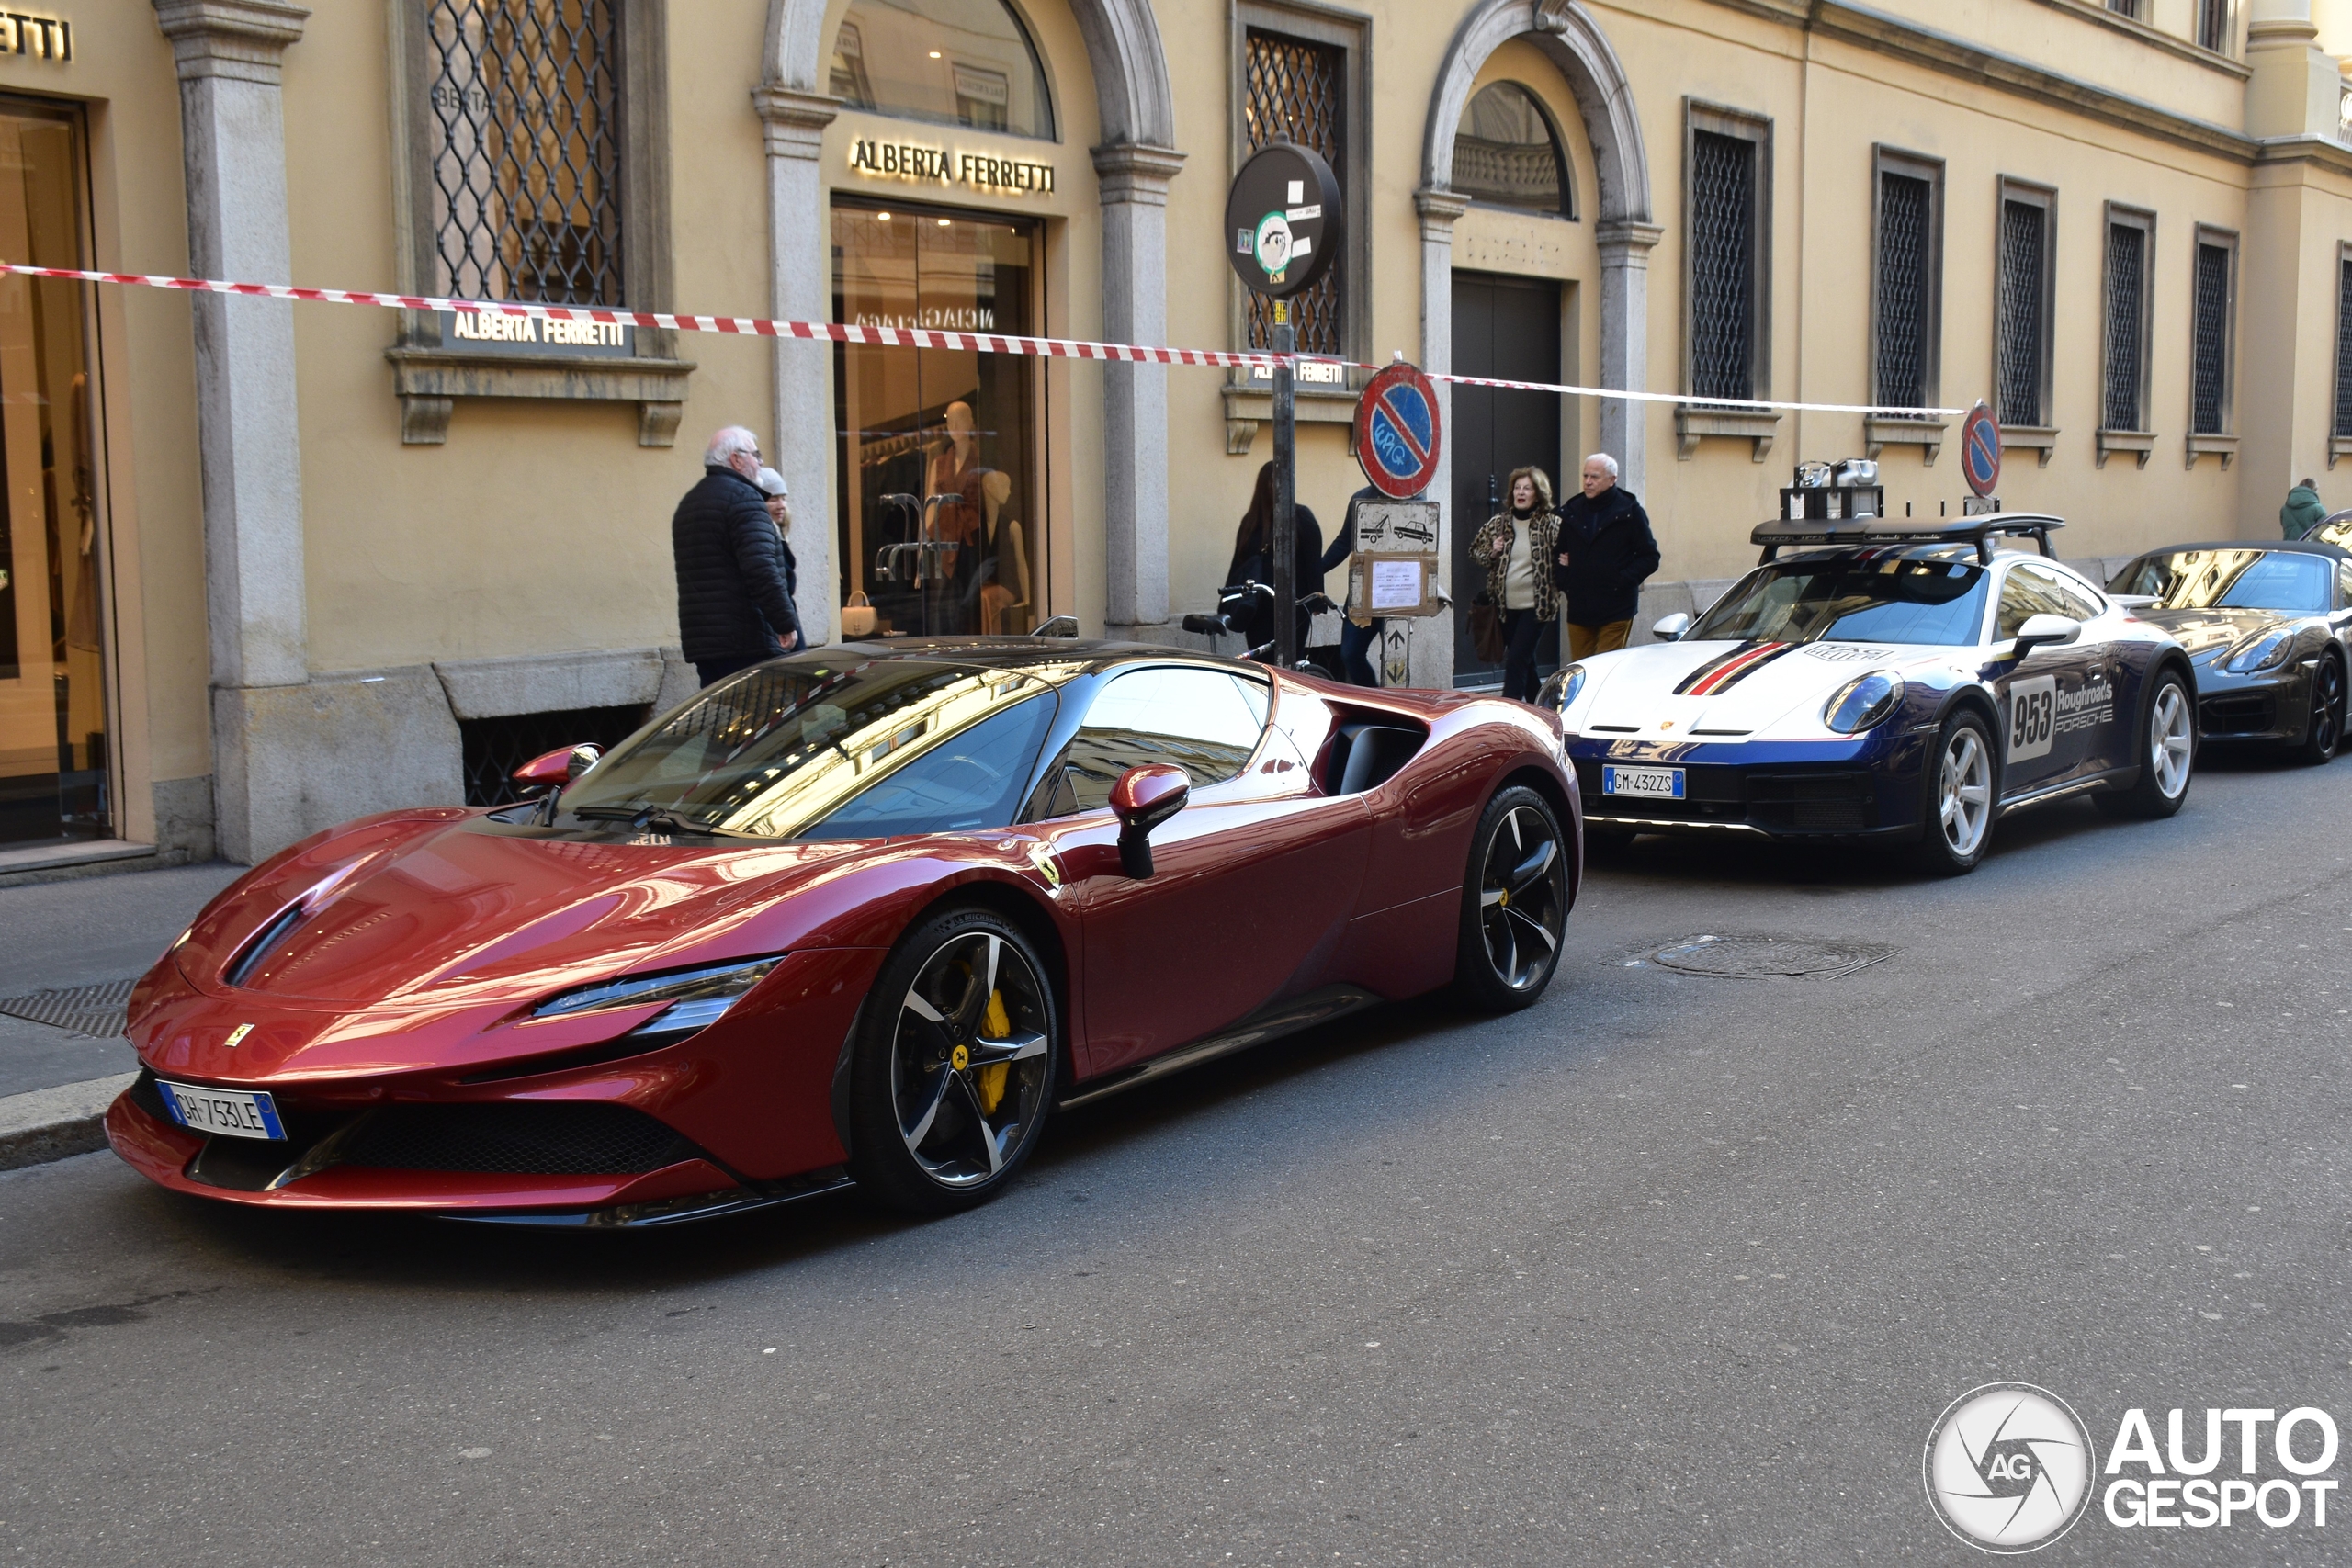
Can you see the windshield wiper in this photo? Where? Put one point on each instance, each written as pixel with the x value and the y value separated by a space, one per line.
pixel 655 819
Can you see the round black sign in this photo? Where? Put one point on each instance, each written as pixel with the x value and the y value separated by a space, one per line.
pixel 1282 221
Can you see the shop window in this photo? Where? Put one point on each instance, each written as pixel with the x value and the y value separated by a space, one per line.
pixel 494 747
pixel 524 119
pixel 2021 305
pixel 1729 177
pixel 1507 153
pixel 941 525
pixel 947 62
pixel 1906 283
pixel 2212 332
pixel 2124 379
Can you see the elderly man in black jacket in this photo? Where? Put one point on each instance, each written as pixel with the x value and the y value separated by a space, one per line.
pixel 734 595
pixel 1606 554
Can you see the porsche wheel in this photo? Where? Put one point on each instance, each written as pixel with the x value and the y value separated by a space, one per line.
pixel 1514 903
pixel 2325 731
pixel 955 1063
pixel 1960 797
pixel 2167 753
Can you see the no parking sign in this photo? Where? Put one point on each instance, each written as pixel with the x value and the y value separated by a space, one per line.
pixel 1980 450
pixel 1398 432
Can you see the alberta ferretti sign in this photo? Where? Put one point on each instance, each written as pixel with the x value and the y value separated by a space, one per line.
pixel 481 329
pixel 915 163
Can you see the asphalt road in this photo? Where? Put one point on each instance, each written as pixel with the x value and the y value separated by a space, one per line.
pixel 1667 1270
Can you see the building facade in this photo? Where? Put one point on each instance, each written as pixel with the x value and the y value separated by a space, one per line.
pixel 270 566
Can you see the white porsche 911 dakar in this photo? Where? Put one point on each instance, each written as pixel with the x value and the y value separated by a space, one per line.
pixel 1907 682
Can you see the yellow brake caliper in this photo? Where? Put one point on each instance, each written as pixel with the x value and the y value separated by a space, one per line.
pixel 996 1024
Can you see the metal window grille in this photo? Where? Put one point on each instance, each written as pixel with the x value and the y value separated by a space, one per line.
pixel 2344 348
pixel 494 747
pixel 2213 337
pixel 1723 265
pixel 1903 260
pixel 1299 90
pixel 524 116
pixel 2126 250
pixel 2214 24
pixel 2020 304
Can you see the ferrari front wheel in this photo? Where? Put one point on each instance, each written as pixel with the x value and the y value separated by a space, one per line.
pixel 953 1069
pixel 1514 903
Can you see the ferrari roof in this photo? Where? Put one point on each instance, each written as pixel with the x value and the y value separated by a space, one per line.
pixel 1050 656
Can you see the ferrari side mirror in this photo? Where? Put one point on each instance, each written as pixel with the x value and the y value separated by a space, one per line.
pixel 554 769
pixel 2046 631
pixel 1670 628
pixel 1142 799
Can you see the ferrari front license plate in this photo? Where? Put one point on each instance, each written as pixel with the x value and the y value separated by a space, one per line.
pixel 232 1112
pixel 1657 784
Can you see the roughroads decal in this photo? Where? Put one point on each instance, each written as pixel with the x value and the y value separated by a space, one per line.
pixel 2094 704
pixel 1728 670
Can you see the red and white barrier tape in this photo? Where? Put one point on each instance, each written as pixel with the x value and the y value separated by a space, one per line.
pixel 893 337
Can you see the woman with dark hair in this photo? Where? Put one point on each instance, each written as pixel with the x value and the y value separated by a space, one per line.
pixel 1517 547
pixel 1253 559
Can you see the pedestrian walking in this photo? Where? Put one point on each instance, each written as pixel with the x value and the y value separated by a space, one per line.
pixel 1253 559
pixel 2303 512
pixel 1517 547
pixel 734 588
pixel 1606 553
pixel 1356 642
pixel 777 497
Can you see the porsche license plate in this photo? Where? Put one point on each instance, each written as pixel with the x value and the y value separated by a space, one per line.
pixel 1653 783
pixel 232 1112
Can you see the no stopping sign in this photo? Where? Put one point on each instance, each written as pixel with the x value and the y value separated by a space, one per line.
pixel 1397 431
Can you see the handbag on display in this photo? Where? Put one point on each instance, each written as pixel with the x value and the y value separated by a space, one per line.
pixel 858 616
pixel 1487 629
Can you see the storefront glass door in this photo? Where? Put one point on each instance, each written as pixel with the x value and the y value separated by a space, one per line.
pixel 941 524
pixel 53 726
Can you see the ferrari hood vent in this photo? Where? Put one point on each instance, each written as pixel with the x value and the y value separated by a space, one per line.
pixel 265 941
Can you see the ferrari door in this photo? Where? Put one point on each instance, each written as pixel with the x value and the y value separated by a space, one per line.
pixel 2057 703
pixel 1252 881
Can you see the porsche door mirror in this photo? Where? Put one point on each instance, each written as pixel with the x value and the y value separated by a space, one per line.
pixel 2047 631
pixel 554 769
pixel 1142 799
pixel 1671 627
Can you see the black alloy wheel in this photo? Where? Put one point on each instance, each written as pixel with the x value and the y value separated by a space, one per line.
pixel 1514 903
pixel 954 1065
pixel 2167 753
pixel 2324 734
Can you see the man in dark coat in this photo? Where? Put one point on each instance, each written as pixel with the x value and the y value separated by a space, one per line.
pixel 1606 554
pixel 734 599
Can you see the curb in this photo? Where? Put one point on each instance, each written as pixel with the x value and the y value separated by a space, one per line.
pixel 57 1123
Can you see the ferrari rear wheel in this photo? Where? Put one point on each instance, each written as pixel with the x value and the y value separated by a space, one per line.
pixel 2325 731
pixel 1514 903
pixel 954 1065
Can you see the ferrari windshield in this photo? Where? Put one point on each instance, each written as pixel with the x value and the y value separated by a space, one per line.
pixel 824 748
pixel 2229 579
pixel 1842 599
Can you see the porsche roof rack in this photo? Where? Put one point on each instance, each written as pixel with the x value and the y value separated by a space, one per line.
pixel 1864 531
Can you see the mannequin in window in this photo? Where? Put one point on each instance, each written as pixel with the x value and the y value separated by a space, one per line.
pixel 988 575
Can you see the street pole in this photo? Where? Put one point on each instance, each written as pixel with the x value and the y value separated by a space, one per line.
pixel 1284 544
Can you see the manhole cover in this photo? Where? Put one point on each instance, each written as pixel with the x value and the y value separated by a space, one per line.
pixel 1769 957
pixel 100 1010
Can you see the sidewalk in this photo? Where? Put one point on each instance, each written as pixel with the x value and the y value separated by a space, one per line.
pixel 89 940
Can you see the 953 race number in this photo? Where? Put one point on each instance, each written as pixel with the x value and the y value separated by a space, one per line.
pixel 2033 716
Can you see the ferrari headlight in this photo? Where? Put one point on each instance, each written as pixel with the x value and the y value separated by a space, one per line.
pixel 1863 702
pixel 1560 688
pixel 697 997
pixel 2267 651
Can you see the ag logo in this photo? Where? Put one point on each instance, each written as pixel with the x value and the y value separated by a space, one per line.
pixel 2008 1468
pixel 1273 243
pixel 2034 708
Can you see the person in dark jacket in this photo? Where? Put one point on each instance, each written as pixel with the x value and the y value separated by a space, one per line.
pixel 777 496
pixel 1356 642
pixel 1254 559
pixel 734 592
pixel 1606 553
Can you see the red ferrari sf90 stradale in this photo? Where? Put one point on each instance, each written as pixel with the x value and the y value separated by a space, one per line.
pixel 861 915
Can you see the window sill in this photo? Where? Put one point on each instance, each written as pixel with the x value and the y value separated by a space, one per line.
pixel 1694 422
pixel 2040 439
pixel 2223 447
pixel 429 381
pixel 1879 432
pixel 2339 447
pixel 2141 444
pixel 1245 407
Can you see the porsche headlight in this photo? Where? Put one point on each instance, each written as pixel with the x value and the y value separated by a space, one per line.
pixel 697 997
pixel 2267 651
pixel 1863 702
pixel 1560 688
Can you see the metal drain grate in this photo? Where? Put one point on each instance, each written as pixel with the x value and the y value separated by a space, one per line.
pixel 101 1012
pixel 1768 957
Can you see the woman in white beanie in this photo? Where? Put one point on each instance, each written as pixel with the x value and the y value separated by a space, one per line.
pixel 771 487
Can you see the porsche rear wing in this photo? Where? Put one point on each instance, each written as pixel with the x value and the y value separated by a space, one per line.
pixel 1861 533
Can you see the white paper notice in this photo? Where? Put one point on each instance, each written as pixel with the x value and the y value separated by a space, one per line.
pixel 1396 585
